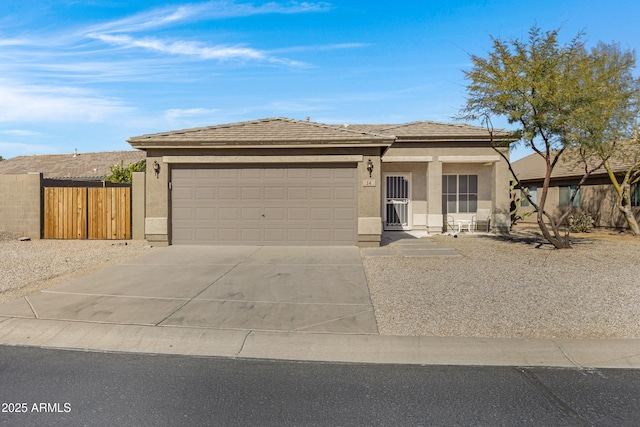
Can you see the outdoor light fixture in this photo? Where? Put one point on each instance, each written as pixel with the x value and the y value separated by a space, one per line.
pixel 370 167
pixel 156 167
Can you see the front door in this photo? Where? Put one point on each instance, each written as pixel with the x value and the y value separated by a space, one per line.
pixel 397 201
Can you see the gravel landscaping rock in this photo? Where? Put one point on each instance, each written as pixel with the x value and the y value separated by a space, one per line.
pixel 517 286
pixel 30 266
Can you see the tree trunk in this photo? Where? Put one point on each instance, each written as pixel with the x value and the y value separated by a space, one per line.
pixel 624 205
pixel 631 219
pixel 556 239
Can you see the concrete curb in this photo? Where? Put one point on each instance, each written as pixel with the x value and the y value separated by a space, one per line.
pixel 345 348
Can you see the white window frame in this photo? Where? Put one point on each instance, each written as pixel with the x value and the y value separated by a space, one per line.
pixel 448 195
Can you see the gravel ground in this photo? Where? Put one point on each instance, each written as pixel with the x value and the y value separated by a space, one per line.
pixel 27 267
pixel 512 287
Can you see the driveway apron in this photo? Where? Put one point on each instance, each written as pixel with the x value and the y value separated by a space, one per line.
pixel 292 289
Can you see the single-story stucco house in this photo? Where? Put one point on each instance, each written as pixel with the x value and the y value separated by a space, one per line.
pixel 280 181
pixel 596 197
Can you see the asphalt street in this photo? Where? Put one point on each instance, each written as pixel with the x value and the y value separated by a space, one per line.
pixel 62 387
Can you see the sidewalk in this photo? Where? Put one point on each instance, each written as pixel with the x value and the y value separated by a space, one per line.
pixel 344 348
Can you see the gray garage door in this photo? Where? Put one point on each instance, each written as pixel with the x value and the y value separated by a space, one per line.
pixel 264 205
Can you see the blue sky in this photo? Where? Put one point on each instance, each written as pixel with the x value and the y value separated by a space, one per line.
pixel 88 74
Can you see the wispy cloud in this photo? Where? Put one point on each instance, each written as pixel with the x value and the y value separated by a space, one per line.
pixel 174 15
pixel 54 104
pixel 189 113
pixel 10 149
pixel 322 47
pixel 196 49
pixel 19 132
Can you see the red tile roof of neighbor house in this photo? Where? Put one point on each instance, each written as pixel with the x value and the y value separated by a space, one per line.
pixel 533 166
pixel 283 131
pixel 80 166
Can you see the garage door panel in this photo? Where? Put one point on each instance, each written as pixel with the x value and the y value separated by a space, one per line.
pixel 206 193
pixel 182 193
pixel 344 214
pixel 206 213
pixel 274 193
pixel 251 193
pixel 274 214
pixel 204 173
pixel 250 214
pixel 321 193
pixel 345 173
pixel 297 173
pixel 275 234
pixel 206 234
pixel 228 214
pixel 264 206
pixel 228 193
pixel 251 234
pixel 300 193
pixel 183 214
pixel 344 193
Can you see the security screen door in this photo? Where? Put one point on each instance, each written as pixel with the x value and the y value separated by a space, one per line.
pixel 397 202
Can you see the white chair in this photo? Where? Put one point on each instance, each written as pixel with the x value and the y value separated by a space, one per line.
pixel 481 220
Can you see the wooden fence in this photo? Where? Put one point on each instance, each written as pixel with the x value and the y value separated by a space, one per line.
pixel 87 213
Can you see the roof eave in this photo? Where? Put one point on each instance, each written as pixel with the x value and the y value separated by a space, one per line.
pixel 144 145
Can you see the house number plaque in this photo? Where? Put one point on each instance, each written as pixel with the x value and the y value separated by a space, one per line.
pixel 369 183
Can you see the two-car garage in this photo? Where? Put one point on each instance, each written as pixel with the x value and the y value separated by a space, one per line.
pixel 267 182
pixel 264 204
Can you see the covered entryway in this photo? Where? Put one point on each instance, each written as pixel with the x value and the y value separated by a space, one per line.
pixel 264 205
pixel 397 214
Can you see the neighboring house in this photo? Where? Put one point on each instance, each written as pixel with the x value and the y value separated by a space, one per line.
pixel 280 181
pixel 596 197
pixel 81 169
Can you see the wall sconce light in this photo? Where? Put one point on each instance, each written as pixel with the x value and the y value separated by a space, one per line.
pixel 370 167
pixel 156 168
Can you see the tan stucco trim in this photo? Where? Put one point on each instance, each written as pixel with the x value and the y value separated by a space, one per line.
pixel 264 159
pixel 412 159
pixel 155 225
pixel 469 159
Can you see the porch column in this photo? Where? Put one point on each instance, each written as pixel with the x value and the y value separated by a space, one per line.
pixel 501 197
pixel 434 196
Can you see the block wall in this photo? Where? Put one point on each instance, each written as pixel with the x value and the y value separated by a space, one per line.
pixel 21 204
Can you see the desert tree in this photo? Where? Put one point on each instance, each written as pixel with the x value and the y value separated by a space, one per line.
pixel 550 92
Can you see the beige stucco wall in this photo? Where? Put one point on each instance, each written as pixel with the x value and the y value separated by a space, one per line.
pixel 138 197
pixel 597 200
pixel 21 204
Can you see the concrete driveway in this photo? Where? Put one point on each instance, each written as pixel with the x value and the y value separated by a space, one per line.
pixel 293 289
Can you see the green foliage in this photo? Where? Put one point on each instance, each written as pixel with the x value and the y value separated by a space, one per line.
pixel 558 96
pixel 515 204
pixel 119 173
pixel 581 223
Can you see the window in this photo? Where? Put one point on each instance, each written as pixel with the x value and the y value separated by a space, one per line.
pixel 459 193
pixel 533 193
pixel 567 192
pixel 635 194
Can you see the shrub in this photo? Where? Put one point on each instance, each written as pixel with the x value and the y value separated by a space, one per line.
pixel 119 173
pixel 580 223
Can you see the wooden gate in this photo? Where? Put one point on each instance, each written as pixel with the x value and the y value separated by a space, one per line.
pixel 87 213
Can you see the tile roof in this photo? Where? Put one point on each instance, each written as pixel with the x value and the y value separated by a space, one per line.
pixel 283 131
pixel 82 166
pixel 272 131
pixel 427 130
pixel 533 166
